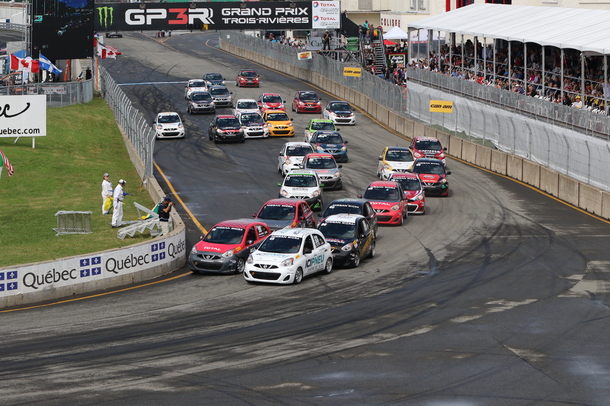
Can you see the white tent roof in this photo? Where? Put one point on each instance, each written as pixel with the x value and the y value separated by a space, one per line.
pixel 586 30
pixel 395 33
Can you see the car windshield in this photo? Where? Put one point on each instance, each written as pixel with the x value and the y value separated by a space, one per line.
pixel 329 139
pixel 308 96
pixel 281 244
pixel 224 235
pixel 247 105
pixel 277 212
pixel 277 117
pixel 298 151
pixel 300 181
pixel 341 208
pixel 408 184
pixel 228 122
pixel 197 83
pixel 429 167
pixel 201 97
pixel 428 145
pixel 254 118
pixel 322 126
pixel 214 76
pixel 381 193
pixel 216 91
pixel 248 74
pixel 321 163
pixel 344 231
pixel 339 107
pixel 169 118
pixel 272 98
pixel 399 155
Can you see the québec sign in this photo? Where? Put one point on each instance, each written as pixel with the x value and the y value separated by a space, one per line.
pixel 212 15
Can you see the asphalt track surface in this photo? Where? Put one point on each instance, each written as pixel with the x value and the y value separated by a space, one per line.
pixel 497 296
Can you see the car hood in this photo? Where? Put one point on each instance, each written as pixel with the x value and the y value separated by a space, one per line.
pixel 254 124
pixel 203 246
pixel 326 171
pixel 279 122
pixel 410 194
pixel 274 105
pixel 383 204
pixel 229 128
pixel 330 145
pixel 171 125
pixel 401 164
pixel 197 89
pixel 272 257
pixel 276 224
pixel 339 242
pixel 246 111
pixel 430 177
pixel 340 112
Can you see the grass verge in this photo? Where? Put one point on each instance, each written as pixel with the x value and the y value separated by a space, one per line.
pixel 64 172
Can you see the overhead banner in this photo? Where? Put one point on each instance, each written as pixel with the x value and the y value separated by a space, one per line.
pixel 23 116
pixel 251 15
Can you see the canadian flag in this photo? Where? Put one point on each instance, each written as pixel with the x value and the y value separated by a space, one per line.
pixel 24 64
pixel 106 51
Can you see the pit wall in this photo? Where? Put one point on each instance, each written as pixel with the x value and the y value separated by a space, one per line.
pixel 79 275
pixel 558 185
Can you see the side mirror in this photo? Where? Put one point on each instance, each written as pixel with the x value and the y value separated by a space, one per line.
pixel 279 184
pixel 448 172
pixel 359 196
pixel 380 158
pixel 254 215
pixel 444 148
pixel 249 242
pixel 345 141
pixel 339 166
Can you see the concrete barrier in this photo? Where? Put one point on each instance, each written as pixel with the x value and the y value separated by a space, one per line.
pixel 590 199
pixel 568 189
pixel 514 167
pixel 531 173
pixel 469 151
pixel 483 157
pixel 498 161
pixel 549 181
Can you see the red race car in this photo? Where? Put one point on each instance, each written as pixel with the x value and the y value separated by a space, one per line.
pixel 306 101
pixel 247 78
pixel 413 190
pixel 286 213
pixel 388 200
pixel 428 147
pixel 270 101
pixel 433 175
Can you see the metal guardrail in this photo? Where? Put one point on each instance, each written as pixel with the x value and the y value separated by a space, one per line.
pixel 58 94
pixel 13 27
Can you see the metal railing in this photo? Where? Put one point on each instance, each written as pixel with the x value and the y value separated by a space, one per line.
pixel 487 117
pixel 131 121
pixel 59 94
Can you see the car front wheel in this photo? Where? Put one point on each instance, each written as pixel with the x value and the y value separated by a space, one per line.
pixel 356 260
pixel 372 252
pixel 298 276
pixel 329 266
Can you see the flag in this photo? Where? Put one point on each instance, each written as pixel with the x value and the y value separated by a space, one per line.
pixel 6 163
pixel 45 64
pixel 106 51
pixel 24 64
pixel 304 55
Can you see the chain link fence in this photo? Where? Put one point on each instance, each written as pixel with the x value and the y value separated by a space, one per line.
pixel 59 94
pixel 133 124
pixel 562 138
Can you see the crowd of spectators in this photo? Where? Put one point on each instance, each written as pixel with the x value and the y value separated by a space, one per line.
pixel 523 73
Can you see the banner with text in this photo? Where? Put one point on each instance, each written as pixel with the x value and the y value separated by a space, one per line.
pixel 326 15
pixel 23 116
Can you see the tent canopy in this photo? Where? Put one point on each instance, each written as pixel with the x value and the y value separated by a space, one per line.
pixel 541 25
pixel 395 33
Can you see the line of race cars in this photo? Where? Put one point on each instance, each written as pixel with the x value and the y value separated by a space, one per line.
pixel 282 242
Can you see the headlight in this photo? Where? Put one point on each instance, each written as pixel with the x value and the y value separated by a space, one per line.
pixel 319 148
pixel 284 192
pixel 180 125
pixel 417 154
pixel 289 124
pixel 269 125
pixel 387 167
pixel 441 155
pixel 343 148
pixel 288 161
pixel 419 197
pixel 348 247
pixel 194 249
pixel 228 254
pixel 287 262
pixel 443 181
pixel 159 127
pixel 337 174
pixel 250 259
pixel 395 207
pixel 316 193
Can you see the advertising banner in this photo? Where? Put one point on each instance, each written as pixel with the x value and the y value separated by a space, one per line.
pixel 259 15
pixel 398 59
pixel 23 116
pixel 51 275
pixel 304 55
pixel 353 72
pixel 441 106
pixel 326 15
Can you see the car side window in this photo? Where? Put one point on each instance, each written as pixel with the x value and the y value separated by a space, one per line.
pixel 368 210
pixel 251 236
pixel 319 241
pixel 305 209
pixel 308 244
pixel 262 231
pixel 364 227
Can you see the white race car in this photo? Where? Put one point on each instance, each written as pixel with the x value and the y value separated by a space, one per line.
pixel 168 125
pixel 245 106
pixel 288 255
pixel 195 85
pixel 291 156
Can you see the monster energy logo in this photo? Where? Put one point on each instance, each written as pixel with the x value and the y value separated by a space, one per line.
pixel 105 14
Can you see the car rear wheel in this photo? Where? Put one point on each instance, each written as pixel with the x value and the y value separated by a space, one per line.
pixel 298 276
pixel 240 266
pixel 329 266
pixel 356 261
pixel 372 252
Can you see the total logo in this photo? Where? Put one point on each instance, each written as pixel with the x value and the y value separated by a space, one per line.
pixel 177 16
pixel 323 4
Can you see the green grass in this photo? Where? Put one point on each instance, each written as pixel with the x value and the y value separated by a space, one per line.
pixel 64 172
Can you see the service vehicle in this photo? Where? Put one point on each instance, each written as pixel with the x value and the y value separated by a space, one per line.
pixel 353 206
pixel 288 255
pixel 253 124
pixel 340 112
pixel 330 142
pixel 306 101
pixel 413 190
pixel 270 101
pixel 279 124
pixel 247 78
pixel 291 156
pixel 318 124
pixel 433 175
pixel 214 79
pixel 327 169
pixel 225 248
pixel 393 160
pixel 388 200
pixel 226 128
pixel 286 213
pixel 221 95
pixel 168 124
pixel 350 237
pixel 200 102
pixel 428 147
pixel 245 106
pixel 305 185
pixel 194 85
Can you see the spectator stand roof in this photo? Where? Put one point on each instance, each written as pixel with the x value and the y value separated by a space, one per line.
pixel 546 26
